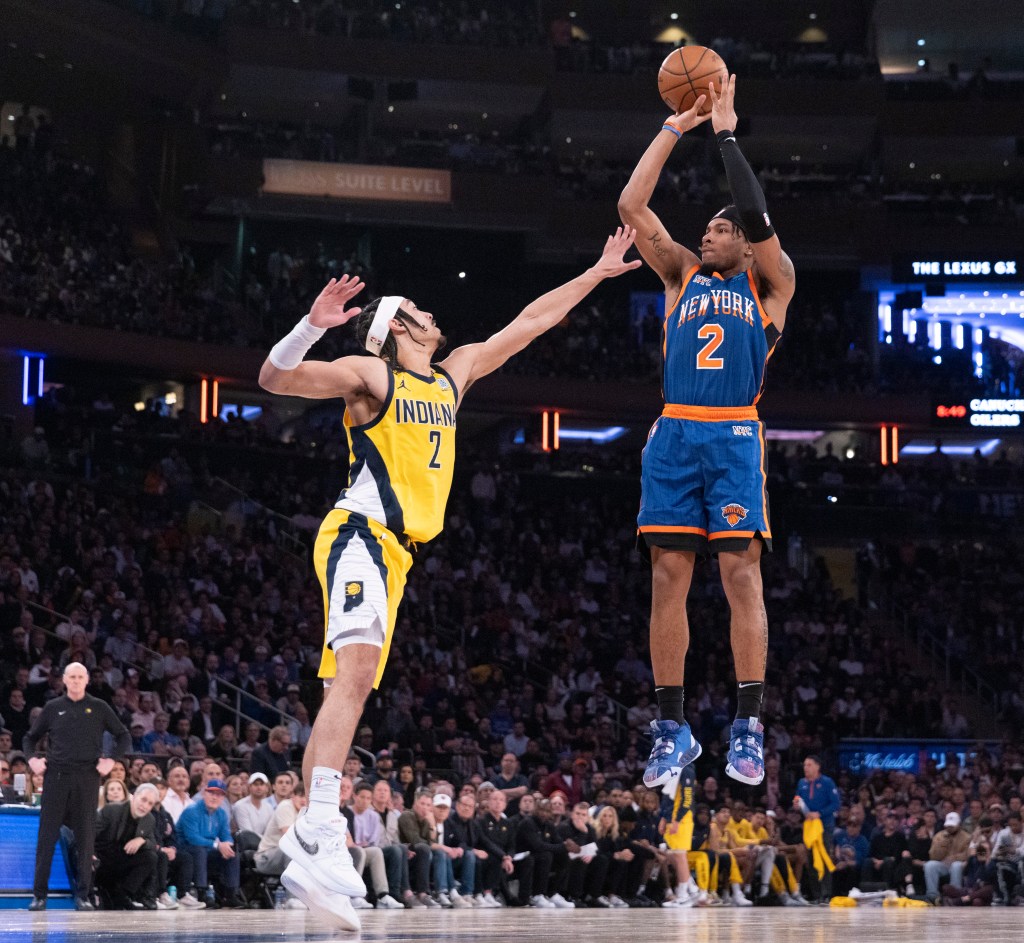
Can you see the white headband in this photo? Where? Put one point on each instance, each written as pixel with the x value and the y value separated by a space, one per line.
pixel 379 330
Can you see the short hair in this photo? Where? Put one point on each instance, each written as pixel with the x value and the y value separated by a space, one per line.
pixel 146 787
pixel 424 792
pixel 362 786
pixel 276 733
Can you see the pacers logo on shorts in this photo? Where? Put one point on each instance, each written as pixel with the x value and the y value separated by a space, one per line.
pixel 353 595
pixel 734 513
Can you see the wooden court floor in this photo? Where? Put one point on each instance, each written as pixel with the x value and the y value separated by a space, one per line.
pixel 718 925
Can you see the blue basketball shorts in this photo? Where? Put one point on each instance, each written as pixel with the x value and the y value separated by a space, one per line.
pixel 703 482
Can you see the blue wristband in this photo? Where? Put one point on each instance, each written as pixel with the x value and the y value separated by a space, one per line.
pixel 668 127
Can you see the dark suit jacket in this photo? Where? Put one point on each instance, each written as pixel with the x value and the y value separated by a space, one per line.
pixel 115 826
pixel 534 835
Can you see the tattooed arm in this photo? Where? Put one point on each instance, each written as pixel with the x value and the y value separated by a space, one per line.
pixel 668 258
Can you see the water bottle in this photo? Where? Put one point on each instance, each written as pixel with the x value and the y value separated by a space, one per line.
pixel 280 896
pixel 211 898
pixel 172 892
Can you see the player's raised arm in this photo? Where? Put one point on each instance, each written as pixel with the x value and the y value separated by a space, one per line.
pixel 668 258
pixel 469 363
pixel 284 371
pixel 772 264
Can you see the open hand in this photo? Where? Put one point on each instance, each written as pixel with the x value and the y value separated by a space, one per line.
pixel 329 308
pixel 611 262
pixel 683 121
pixel 723 112
pixel 37 764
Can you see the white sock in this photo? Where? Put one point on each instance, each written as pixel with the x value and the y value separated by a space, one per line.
pixel 324 796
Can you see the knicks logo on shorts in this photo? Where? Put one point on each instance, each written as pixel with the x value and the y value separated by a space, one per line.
pixel 353 595
pixel 743 430
pixel 734 513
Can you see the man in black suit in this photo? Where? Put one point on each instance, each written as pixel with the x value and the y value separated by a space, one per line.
pixel 536 833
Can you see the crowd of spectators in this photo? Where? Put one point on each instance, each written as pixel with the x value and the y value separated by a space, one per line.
pixel 523 632
pixel 64 257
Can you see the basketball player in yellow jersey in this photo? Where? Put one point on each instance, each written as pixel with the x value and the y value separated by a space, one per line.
pixel 400 423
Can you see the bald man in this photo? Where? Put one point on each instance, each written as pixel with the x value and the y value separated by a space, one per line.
pixel 74 724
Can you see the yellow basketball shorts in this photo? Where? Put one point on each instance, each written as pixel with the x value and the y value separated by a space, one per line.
pixel 682 838
pixel 362 568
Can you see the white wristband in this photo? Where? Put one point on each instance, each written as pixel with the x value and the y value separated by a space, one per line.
pixel 288 352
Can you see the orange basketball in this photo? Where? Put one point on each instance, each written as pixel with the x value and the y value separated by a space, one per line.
pixel 685 74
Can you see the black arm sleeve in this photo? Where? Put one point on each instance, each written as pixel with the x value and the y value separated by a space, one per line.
pixel 746 191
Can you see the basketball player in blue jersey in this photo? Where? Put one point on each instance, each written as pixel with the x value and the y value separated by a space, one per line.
pixel 400 423
pixel 703 478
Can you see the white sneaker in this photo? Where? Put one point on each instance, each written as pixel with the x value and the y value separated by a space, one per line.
pixel 459 902
pixel 293 903
pixel 490 901
pixel 443 899
pixel 190 902
pixel 387 902
pixel 427 901
pixel 799 899
pixel 738 900
pixel 321 851
pixel 602 901
pixel 539 900
pixel 617 901
pixel 561 903
pixel 359 903
pixel 479 901
pixel 323 902
pixel 166 902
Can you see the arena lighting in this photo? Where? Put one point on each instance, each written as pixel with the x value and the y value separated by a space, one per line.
pixel 27 396
pixel 549 432
pixel 214 411
pixel 986 447
pixel 600 436
pixel 203 390
pixel 890 444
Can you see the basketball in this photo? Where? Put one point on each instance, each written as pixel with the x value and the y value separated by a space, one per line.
pixel 685 74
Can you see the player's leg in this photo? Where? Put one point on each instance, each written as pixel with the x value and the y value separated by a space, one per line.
pixel 362 572
pixel 672 525
pixel 738 506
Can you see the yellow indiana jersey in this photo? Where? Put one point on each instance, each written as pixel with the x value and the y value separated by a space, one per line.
pixel 401 463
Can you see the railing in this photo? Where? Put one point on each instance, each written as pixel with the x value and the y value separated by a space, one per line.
pixel 955 670
pixel 154 655
pixel 287 532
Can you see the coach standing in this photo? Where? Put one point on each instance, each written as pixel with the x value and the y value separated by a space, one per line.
pixel 75 723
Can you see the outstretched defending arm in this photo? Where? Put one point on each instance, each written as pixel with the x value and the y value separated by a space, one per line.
pixel 773 265
pixel 467 364
pixel 285 372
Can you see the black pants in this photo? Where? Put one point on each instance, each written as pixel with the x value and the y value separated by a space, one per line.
pixel 131 876
pixel 549 872
pixel 419 867
pixel 179 872
pixel 587 879
pixel 70 799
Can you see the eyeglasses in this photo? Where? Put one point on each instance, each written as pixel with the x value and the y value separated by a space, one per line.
pixel 5 769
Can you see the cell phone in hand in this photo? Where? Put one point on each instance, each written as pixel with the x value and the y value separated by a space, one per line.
pixel 19 784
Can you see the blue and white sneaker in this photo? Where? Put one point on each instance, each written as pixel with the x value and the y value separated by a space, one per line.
pixel 745 760
pixel 674 749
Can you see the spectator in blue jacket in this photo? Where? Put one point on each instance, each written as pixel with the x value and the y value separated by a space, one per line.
pixel 817 797
pixel 205 835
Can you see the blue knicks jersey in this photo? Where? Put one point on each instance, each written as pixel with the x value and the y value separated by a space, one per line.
pixel 717 342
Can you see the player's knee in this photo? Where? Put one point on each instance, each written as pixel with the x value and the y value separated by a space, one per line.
pixel 742 582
